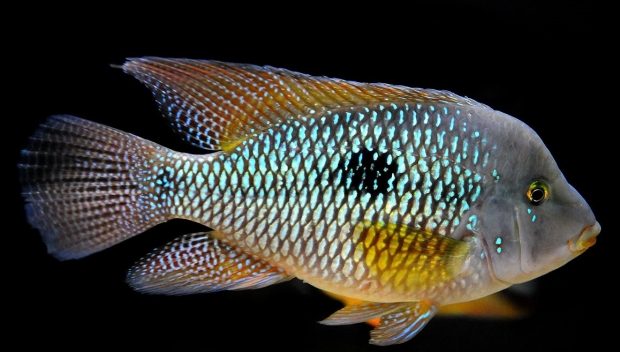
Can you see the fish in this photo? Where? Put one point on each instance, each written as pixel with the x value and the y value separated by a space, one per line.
pixel 402 199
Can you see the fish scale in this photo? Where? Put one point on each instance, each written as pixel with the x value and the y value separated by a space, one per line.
pixel 270 180
pixel 403 199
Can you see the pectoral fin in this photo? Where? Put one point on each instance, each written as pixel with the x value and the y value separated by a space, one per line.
pixel 408 259
pixel 401 325
pixel 198 263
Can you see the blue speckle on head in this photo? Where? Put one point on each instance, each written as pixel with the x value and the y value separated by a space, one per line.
pixel 476 193
pixel 499 249
pixel 482 255
pixel 473 222
pixel 529 211
pixel 498 241
pixel 533 218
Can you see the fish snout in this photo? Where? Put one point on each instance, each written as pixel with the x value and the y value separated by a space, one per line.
pixel 586 239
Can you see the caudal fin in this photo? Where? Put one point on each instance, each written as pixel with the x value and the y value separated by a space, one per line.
pixel 88 186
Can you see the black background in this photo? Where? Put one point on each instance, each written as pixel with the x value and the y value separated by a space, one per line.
pixel 546 63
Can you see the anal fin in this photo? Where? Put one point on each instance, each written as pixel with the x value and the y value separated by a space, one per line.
pixel 199 263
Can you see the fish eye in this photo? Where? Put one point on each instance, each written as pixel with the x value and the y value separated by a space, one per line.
pixel 537 193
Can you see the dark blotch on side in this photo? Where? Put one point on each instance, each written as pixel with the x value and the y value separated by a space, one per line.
pixel 364 174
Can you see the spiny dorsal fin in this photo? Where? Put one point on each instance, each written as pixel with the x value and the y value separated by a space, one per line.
pixel 216 105
pixel 199 263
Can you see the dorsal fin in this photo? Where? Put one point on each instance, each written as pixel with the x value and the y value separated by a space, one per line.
pixel 216 105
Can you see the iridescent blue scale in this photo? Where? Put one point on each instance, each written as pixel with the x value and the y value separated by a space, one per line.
pixel 340 185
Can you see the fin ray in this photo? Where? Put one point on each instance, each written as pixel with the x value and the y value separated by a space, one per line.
pixel 84 185
pixel 200 263
pixel 362 312
pixel 402 325
pixel 412 254
pixel 216 105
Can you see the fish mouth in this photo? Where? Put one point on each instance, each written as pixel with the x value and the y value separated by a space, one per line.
pixel 585 240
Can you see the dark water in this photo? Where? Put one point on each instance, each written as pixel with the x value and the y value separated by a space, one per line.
pixel 542 63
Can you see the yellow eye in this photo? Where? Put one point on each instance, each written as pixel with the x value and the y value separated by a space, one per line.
pixel 537 193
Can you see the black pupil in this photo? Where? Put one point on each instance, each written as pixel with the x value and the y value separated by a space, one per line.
pixel 537 194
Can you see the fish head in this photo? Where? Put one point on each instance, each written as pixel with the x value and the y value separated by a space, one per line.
pixel 534 221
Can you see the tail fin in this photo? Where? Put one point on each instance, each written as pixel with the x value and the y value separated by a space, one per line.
pixel 89 186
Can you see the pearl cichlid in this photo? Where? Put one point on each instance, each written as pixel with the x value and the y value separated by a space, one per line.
pixel 404 199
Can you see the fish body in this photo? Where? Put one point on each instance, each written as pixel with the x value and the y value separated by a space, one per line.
pixel 403 199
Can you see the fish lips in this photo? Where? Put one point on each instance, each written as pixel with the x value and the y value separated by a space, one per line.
pixel 584 240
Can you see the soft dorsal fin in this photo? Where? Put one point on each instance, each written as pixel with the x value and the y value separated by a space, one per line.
pixel 216 105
